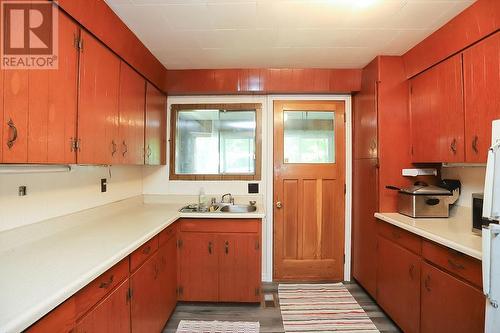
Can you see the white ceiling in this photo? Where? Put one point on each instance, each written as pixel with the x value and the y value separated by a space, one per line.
pixel 281 33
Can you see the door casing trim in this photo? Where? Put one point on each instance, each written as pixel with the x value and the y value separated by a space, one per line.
pixel 269 170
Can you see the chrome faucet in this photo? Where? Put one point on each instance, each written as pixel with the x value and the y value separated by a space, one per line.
pixel 231 199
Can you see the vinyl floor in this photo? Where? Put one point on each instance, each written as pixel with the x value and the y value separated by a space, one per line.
pixel 269 317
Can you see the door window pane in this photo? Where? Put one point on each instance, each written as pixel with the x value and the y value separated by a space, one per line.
pixel 309 137
pixel 215 142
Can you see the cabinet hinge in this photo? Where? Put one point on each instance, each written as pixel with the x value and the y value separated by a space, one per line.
pixel 80 44
pixel 179 291
pixel 179 243
pixel 257 291
pixel 130 293
pixel 72 142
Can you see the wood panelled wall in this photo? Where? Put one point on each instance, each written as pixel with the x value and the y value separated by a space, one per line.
pixel 101 21
pixel 254 81
pixel 476 22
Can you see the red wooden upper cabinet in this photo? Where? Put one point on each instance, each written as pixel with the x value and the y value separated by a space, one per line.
pixel 98 115
pixel 482 97
pixel 156 108
pixel 131 137
pixel 437 114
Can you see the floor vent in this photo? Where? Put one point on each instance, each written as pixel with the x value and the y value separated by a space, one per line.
pixel 269 300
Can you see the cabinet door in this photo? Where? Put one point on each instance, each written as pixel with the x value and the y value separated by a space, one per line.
pixel 239 267
pixel 198 267
pixel 132 99
pixel 15 122
pixel 167 279
pixel 59 320
pixel 112 315
pixel 398 284
pixel 145 304
pixel 53 102
pixel 98 102
pixel 437 115
pixel 156 108
pixel 2 143
pixel 449 305
pixel 482 97
pixel 365 203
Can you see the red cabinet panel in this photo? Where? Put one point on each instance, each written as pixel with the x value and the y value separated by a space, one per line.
pixel 15 124
pixel 53 103
pixel 2 142
pixel 448 304
pixel 59 320
pixel 198 267
pixel 112 315
pixel 437 115
pixel 98 112
pixel 482 97
pixel 132 104
pixel 156 127
pixel 398 284
pixel 239 267
pixel 167 279
pixel 364 240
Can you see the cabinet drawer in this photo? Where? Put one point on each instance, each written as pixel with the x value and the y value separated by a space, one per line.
pixel 59 320
pixel 399 236
pixel 144 252
pixel 97 289
pixel 166 234
pixel 221 225
pixel 455 262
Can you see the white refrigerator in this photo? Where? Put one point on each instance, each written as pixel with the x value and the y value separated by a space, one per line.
pixel 491 234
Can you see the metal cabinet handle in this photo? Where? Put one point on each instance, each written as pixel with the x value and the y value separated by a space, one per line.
pixel 126 148
pixel 157 271
pixel 210 247
pixel 106 284
pixel 148 152
pixel 13 138
pixel 147 249
pixel 455 265
pixel 226 247
pixel 396 235
pixel 474 144
pixel 412 271
pixel 113 148
pixel 427 283
pixel 453 146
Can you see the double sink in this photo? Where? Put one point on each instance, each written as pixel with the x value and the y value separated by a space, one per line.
pixel 220 208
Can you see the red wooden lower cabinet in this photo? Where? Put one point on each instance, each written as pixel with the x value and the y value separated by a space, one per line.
pixel 167 278
pixel 398 284
pixel 219 260
pixel 59 320
pixel 448 304
pixel 111 315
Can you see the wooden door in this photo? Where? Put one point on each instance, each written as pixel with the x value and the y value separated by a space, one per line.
pixel 132 103
pixel 398 284
pixel 198 267
pixel 53 102
pixel 111 315
pixel 364 225
pixel 167 279
pixel 145 301
pixel 98 115
pixel 239 267
pixel 437 115
pixel 156 128
pixel 309 180
pixel 448 304
pixel 482 97
pixel 15 122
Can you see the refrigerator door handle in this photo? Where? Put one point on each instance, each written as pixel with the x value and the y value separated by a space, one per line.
pixel 486 259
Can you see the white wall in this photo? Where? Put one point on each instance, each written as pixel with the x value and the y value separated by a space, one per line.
pixel 472 179
pixel 55 194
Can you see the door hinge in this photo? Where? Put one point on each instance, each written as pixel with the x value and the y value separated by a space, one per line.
pixel 75 144
pixel 130 293
pixel 179 291
pixel 179 243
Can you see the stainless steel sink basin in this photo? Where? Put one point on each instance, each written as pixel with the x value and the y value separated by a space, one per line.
pixel 238 209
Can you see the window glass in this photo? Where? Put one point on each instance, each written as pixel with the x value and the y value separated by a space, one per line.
pixel 215 142
pixel 309 137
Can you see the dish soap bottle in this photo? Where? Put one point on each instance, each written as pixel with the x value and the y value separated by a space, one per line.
pixel 202 201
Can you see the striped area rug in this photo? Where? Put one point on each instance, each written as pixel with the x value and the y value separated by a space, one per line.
pixel 322 308
pixel 198 326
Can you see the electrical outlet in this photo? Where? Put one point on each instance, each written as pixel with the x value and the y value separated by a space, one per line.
pixel 22 191
pixel 104 185
pixel 253 188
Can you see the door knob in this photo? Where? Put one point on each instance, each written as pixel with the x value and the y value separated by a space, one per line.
pixel 278 204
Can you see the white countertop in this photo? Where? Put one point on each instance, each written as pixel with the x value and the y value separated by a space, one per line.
pixel 43 264
pixel 454 232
